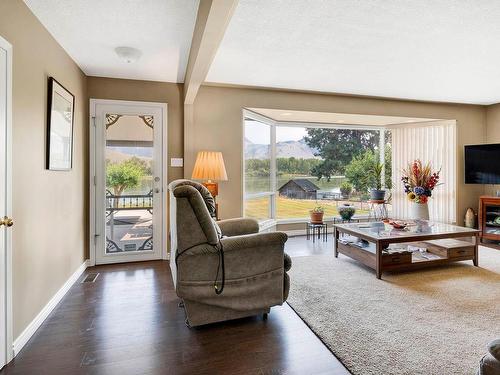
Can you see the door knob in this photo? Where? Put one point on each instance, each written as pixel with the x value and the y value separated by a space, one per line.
pixel 7 221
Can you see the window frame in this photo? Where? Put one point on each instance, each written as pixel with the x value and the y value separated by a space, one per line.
pixel 273 124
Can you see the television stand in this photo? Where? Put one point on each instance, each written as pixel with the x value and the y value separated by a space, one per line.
pixel 489 218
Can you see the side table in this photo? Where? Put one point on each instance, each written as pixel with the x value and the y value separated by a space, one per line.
pixel 319 229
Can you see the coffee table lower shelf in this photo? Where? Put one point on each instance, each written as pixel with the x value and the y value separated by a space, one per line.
pixel 403 262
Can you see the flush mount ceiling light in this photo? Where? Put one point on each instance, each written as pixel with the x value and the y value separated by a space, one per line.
pixel 128 54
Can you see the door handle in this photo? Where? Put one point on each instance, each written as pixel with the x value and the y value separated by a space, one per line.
pixel 7 221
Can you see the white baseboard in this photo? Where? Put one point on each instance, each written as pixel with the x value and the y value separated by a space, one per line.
pixel 24 337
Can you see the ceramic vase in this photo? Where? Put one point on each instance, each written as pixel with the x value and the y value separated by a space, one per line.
pixel 419 211
pixel 470 218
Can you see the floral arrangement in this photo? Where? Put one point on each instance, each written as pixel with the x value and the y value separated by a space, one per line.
pixel 346 211
pixel 419 181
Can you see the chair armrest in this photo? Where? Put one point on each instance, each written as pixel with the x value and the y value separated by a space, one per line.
pixel 254 254
pixel 238 227
pixel 256 240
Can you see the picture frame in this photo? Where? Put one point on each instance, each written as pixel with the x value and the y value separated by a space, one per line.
pixel 60 120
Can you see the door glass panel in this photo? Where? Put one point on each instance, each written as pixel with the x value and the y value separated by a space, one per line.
pixel 129 183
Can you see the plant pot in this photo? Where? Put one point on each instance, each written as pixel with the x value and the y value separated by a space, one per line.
pixel 377 195
pixel 317 217
pixel 419 211
pixel 346 212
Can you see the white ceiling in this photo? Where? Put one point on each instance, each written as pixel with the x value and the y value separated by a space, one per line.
pixel 439 50
pixel 90 30
pixel 336 118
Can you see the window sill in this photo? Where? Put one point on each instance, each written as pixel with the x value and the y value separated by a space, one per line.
pixel 307 219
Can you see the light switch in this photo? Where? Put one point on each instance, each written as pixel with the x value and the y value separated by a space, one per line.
pixel 176 162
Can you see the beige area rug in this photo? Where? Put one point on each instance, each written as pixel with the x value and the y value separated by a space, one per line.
pixel 434 321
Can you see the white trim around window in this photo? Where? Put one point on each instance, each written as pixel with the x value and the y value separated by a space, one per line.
pixel 273 124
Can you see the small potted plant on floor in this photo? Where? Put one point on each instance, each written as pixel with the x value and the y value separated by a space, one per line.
pixel 376 193
pixel 345 190
pixel 317 215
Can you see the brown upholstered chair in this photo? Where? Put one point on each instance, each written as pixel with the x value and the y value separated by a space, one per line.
pixel 255 264
pixel 490 363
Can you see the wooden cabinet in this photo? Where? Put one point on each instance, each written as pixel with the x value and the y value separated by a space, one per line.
pixel 489 217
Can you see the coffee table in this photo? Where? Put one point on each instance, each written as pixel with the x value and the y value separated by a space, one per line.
pixel 376 244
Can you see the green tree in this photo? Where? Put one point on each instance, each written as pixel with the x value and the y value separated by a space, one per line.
pixel 126 174
pixel 357 170
pixel 337 147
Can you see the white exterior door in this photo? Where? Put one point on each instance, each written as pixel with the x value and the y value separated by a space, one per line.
pixel 5 200
pixel 128 174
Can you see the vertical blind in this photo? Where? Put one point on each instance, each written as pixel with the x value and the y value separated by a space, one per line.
pixel 432 142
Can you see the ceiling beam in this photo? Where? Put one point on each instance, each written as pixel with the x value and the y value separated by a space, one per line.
pixel 211 23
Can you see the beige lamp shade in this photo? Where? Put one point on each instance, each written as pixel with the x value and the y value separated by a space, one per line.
pixel 210 166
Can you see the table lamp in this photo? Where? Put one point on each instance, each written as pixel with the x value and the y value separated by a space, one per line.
pixel 209 166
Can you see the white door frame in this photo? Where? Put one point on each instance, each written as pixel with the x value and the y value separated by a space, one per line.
pixel 94 231
pixel 6 348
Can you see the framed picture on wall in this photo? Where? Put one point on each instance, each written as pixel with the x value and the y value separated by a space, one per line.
pixel 60 117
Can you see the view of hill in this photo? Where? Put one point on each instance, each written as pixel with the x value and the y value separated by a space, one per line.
pixel 119 154
pixel 287 149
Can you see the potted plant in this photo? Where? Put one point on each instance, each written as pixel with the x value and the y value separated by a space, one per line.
pixel 375 174
pixel 419 181
pixel 346 211
pixel 345 189
pixel 317 215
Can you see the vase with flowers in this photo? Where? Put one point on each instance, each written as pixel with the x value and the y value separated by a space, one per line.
pixel 419 181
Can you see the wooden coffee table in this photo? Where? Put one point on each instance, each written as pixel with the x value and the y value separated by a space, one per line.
pixel 382 248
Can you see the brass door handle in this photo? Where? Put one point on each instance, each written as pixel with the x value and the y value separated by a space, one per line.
pixel 7 221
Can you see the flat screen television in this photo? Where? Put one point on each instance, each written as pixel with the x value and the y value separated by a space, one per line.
pixel 482 164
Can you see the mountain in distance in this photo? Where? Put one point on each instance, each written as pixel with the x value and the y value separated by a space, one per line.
pixel 287 149
pixel 120 154
pixel 297 149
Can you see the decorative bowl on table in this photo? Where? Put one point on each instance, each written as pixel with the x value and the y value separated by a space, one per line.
pixel 398 224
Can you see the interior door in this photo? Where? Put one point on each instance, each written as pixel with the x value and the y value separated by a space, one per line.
pixel 129 174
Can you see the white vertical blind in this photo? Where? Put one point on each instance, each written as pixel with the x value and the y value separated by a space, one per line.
pixel 434 142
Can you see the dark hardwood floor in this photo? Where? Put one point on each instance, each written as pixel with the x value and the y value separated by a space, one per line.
pixel 128 322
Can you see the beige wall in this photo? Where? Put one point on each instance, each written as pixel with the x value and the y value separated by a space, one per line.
pixel 492 136
pixel 218 126
pixel 49 207
pixel 147 91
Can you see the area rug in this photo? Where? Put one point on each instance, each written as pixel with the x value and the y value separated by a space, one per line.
pixel 434 321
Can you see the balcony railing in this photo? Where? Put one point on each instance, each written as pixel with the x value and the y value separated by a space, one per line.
pixel 128 202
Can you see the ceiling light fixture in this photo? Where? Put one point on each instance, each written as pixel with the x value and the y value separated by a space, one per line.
pixel 128 54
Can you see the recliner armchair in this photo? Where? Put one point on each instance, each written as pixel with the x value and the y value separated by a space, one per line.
pixel 255 263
